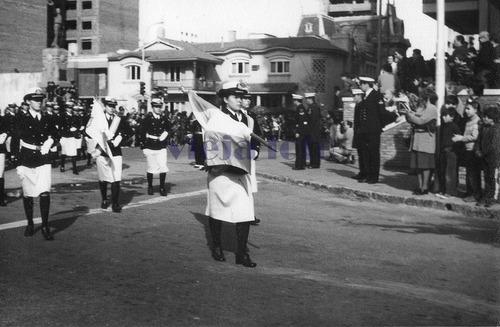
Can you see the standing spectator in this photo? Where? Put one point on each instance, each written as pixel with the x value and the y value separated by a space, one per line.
pixel 358 98
pixel 302 132
pixel 448 165
pixel 405 72
pixel 484 62
pixel 423 145
pixel 315 130
pixel 489 151
pixel 471 162
pixel 393 64
pixel 419 66
pixel 495 40
pixel 197 143
pixel 370 120
pixel 37 133
pixel 387 80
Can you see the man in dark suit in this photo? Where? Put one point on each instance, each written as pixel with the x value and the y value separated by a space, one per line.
pixel 315 129
pixel 369 119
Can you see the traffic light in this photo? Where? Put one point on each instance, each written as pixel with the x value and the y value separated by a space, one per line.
pixel 143 88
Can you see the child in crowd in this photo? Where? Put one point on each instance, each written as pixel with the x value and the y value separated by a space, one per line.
pixel 471 162
pixel 343 152
pixel 448 166
pixel 489 151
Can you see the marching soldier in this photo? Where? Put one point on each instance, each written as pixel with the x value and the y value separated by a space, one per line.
pixel 49 106
pixel 69 130
pixel 230 194
pixel 37 133
pixel 154 131
pixel 110 167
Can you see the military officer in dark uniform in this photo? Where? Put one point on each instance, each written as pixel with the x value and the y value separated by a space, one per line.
pixel 5 131
pixel 154 131
pixel 37 134
pixel 369 119
pixel 69 129
pixel 302 132
pixel 110 167
pixel 316 127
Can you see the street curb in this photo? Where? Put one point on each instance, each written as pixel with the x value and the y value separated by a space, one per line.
pixel 350 193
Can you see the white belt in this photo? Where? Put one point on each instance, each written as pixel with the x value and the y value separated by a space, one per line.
pixel 149 136
pixel 30 146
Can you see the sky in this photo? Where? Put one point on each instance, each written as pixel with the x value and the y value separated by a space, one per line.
pixel 210 20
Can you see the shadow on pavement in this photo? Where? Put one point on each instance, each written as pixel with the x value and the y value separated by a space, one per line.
pixel 61 224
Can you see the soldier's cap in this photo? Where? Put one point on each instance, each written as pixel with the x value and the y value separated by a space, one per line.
pixel 49 104
pixel 357 91
pixel 109 101
pixel 233 88
pixel 367 80
pixel 297 97
pixel 156 102
pixel 34 94
pixel 309 95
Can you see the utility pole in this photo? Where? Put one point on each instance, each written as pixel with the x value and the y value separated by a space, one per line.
pixel 379 32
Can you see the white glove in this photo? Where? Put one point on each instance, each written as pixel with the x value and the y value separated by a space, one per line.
pixel 253 154
pixel 46 146
pixel 117 140
pixel 72 129
pixel 163 136
pixel 109 135
pixel 96 153
pixel 3 137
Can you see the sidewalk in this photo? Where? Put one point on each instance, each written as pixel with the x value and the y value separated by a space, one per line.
pixel 395 187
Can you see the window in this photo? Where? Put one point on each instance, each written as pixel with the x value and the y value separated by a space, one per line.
pixel 70 25
pixel 175 74
pixel 86 44
pixel 87 25
pixel 280 67
pixel 133 72
pixel 86 4
pixel 318 75
pixel 240 67
pixel 70 5
pixel 309 28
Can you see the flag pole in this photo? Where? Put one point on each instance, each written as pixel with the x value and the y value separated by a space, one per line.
pixel 261 140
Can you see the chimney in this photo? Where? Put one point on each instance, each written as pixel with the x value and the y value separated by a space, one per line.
pixel 231 36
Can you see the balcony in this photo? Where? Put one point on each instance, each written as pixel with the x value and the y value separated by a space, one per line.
pixel 188 84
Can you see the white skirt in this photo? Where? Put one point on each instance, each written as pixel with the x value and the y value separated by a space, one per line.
pixel 35 181
pixel 109 169
pixel 230 198
pixel 157 161
pixel 69 146
pixel 2 164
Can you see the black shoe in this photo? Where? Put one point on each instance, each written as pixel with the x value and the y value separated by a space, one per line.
pixel 29 231
pixel 2 203
pixel 245 261
pixel 372 181
pixel 116 208
pixel 362 180
pixel 218 254
pixel 420 191
pixel 75 172
pixel 255 222
pixel 104 204
pixel 298 168
pixel 62 170
pixel 47 235
pixel 163 192
pixel 357 176
pixel 150 191
pixel 313 167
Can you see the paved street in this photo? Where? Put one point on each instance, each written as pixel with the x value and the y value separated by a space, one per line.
pixel 322 261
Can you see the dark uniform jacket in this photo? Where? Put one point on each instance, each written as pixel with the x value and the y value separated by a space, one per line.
pixel 302 124
pixel 370 115
pixel 66 122
pixel 125 131
pixel 4 128
pixel 154 127
pixel 32 131
pixel 316 123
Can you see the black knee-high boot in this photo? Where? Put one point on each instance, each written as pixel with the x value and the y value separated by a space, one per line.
pixel 2 192
pixel 242 257
pixel 215 231
pixel 28 211
pixel 89 160
pixel 73 162
pixel 115 194
pixel 63 161
pixel 44 212
pixel 163 192
pixel 150 183
pixel 103 186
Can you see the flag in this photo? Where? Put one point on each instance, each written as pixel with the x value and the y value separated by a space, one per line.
pixel 98 125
